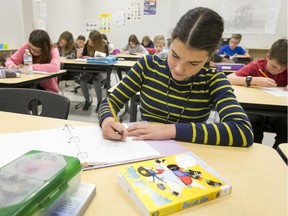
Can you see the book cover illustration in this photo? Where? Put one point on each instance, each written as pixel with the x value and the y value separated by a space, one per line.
pixel 166 185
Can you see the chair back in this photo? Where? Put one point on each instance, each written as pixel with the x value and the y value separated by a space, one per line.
pixel 34 102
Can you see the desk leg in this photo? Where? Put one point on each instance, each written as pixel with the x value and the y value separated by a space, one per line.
pixel 133 109
pixel 108 84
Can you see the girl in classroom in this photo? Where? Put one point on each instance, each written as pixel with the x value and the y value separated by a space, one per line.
pixel 45 58
pixel 94 43
pixel 66 45
pixel 177 94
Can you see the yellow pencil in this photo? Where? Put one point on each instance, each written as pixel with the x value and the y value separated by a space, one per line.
pixel 112 110
pixel 263 73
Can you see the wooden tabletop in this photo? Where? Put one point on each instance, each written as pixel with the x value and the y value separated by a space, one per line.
pixel 255 95
pixel 25 78
pixel 257 174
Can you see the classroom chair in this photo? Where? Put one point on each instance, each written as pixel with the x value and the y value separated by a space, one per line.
pixel 34 102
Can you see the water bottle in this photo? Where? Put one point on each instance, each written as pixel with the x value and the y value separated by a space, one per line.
pixel 27 62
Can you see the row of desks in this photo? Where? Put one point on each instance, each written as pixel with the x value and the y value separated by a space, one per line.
pixel 252 99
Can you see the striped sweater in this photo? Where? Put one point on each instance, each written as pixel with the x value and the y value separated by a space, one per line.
pixel 187 104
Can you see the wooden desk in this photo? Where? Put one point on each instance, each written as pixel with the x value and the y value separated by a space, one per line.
pixel 129 57
pixel 283 151
pixel 82 66
pixel 257 174
pixel 255 100
pixel 25 79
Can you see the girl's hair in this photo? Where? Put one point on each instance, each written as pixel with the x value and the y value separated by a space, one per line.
pixel 200 28
pixel 146 38
pixel 40 39
pixel 133 38
pixel 98 43
pixel 105 38
pixel 68 37
pixel 278 51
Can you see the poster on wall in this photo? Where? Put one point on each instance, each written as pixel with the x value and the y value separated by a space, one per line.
pixel 150 7
pixel 133 12
pixel 119 17
pixel 257 17
pixel 90 26
pixel 104 22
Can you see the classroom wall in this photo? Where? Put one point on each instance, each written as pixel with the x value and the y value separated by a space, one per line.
pixel 65 15
pixel 12 30
pixel 72 15
pixel 248 40
pixel 148 25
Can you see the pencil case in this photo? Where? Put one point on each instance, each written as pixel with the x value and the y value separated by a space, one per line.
pixel 37 182
pixel 9 73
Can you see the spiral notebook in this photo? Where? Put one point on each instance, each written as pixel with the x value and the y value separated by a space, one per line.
pixel 86 143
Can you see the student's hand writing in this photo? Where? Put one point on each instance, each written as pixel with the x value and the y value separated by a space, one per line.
pixel 143 131
pixel 263 81
pixel 113 130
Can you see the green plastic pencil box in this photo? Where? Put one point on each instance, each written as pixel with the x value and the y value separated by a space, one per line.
pixel 37 182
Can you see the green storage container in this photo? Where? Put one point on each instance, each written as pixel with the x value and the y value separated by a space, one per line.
pixel 37 182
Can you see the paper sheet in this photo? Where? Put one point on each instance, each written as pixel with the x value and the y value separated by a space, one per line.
pixel 276 91
pixel 87 138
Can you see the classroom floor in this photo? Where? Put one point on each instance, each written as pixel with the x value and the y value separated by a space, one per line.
pixel 67 88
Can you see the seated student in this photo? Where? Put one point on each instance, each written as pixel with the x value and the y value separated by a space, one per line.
pixel 159 44
pixel 268 72
pixel 110 45
pixel 178 93
pixel 164 53
pixel 133 47
pixel 233 49
pixel 147 42
pixel 80 43
pixel 45 58
pixel 95 43
pixel 66 45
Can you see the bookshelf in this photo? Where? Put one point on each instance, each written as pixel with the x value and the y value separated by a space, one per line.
pixel 257 53
pixel 5 53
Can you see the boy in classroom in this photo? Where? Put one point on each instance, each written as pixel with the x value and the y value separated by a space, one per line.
pixel 45 58
pixel 268 72
pixel 177 94
pixel 159 44
pixel 233 48
pixel 147 42
pixel 66 45
pixel 80 43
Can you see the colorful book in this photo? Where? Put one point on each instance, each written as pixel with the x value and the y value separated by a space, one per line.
pixel 169 184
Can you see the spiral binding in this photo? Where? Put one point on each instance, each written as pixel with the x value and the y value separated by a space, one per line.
pixel 75 139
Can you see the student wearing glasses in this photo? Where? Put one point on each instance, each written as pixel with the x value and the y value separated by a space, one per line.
pixel 45 58
pixel 177 94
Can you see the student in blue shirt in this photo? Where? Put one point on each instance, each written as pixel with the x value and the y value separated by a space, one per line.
pixel 233 49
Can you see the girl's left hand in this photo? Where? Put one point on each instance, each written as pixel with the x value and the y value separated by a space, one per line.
pixel 144 131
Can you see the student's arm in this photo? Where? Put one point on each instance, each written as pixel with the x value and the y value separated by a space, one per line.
pixel 53 65
pixel 239 77
pixel 16 59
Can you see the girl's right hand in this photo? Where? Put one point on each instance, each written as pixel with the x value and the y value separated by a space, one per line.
pixel 113 130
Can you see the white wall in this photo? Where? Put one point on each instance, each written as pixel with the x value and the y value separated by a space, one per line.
pixel 65 15
pixel 12 31
pixel 248 40
pixel 71 15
